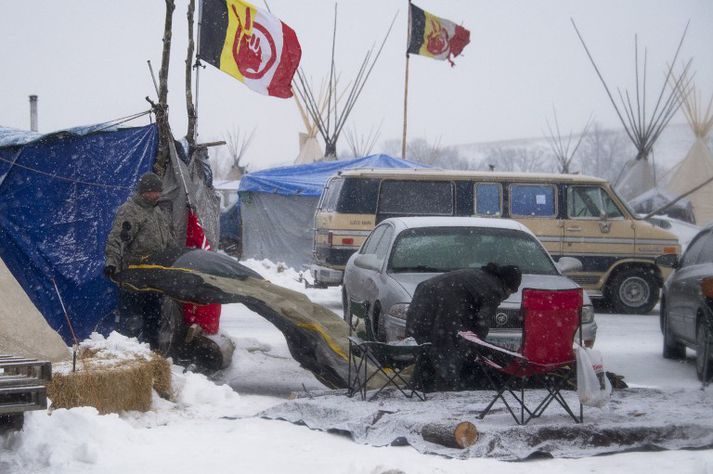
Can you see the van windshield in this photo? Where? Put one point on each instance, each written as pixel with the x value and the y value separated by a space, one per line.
pixel 442 249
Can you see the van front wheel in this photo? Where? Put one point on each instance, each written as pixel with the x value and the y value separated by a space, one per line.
pixel 633 291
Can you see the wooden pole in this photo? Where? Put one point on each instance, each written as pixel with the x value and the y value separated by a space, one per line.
pixel 408 40
pixel 190 108
pixel 164 131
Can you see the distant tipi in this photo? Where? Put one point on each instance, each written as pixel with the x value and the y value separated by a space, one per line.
pixel 697 167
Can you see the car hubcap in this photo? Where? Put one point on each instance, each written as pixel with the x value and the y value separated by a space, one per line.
pixel 634 291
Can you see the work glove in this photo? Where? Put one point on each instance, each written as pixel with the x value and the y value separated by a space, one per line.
pixel 110 271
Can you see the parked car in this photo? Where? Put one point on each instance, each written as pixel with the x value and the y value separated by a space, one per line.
pixel 684 305
pixel 401 252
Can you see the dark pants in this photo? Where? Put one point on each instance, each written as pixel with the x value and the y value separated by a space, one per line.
pixel 139 316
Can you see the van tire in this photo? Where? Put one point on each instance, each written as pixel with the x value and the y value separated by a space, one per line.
pixel 634 290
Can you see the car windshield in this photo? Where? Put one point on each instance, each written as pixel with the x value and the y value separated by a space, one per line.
pixel 442 249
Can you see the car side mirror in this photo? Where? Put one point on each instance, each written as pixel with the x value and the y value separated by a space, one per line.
pixel 569 265
pixel 368 261
pixel 669 260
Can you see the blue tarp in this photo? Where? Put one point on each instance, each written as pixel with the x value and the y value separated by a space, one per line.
pixel 308 180
pixel 58 196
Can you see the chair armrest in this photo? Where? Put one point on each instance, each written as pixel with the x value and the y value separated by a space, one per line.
pixel 473 338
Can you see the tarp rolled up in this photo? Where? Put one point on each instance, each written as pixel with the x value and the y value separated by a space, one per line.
pixel 316 337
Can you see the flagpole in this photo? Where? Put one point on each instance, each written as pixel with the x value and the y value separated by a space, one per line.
pixel 403 137
pixel 198 64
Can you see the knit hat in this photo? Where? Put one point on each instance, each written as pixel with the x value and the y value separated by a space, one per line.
pixel 149 182
pixel 509 274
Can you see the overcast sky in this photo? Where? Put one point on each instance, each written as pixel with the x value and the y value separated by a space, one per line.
pixel 86 60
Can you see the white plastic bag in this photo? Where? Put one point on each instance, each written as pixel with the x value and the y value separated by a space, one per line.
pixel 593 387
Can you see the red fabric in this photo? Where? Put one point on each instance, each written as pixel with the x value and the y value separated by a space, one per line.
pixel 281 83
pixel 551 318
pixel 460 40
pixel 206 316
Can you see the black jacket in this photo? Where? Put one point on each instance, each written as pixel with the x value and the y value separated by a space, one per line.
pixel 461 300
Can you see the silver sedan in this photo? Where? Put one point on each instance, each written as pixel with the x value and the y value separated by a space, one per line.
pixel 402 252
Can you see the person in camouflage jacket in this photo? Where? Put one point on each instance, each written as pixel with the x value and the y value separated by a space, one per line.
pixel 140 228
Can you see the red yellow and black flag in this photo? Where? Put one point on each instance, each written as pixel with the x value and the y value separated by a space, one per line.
pixel 249 44
pixel 435 37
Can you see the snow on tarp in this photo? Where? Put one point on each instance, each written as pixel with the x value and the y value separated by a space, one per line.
pixel 636 419
pixel 58 195
pixel 316 337
pixel 309 179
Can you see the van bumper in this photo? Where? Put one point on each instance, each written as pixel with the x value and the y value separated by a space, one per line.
pixel 324 276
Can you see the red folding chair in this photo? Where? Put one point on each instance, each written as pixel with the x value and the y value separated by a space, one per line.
pixel 546 357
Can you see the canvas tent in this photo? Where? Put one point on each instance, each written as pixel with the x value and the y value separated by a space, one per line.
pixel 277 206
pixel 697 167
pixel 58 196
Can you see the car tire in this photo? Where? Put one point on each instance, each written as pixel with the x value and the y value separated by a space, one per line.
pixel 633 291
pixel 671 348
pixel 13 421
pixel 703 351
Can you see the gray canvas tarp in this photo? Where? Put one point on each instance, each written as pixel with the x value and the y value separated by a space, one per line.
pixel 280 227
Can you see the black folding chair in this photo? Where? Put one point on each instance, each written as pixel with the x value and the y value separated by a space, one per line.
pixel 380 363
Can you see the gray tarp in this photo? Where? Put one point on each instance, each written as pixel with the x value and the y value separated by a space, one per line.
pixel 278 227
pixel 636 419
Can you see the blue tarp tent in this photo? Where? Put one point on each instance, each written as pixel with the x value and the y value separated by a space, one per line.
pixel 277 206
pixel 58 196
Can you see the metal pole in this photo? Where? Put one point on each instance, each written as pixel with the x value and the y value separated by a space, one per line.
pixel 408 40
pixel 33 113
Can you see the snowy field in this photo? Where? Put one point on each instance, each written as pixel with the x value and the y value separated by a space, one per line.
pixel 212 425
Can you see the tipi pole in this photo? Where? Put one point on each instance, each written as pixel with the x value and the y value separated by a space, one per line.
pixel 408 40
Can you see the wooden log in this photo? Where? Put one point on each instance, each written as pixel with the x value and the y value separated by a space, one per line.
pixel 460 436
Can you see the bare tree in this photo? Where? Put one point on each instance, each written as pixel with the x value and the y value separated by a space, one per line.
pixel 360 144
pixel 521 159
pixel 564 149
pixel 604 152
pixel 237 144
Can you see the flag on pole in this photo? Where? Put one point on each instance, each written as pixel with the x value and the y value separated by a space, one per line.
pixel 249 44
pixel 435 37
pixel 206 316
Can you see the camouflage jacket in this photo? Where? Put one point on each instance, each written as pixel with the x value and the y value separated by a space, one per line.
pixel 151 231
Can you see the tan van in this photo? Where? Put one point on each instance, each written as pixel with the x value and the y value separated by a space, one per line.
pixel 572 215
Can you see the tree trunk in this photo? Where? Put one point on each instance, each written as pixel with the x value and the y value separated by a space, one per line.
pixel 191 133
pixel 164 131
pixel 460 436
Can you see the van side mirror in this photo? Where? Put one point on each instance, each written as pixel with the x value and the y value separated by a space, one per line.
pixel 569 265
pixel 669 260
pixel 368 261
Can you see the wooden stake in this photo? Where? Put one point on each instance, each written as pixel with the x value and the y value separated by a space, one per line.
pixel 190 108
pixel 460 436
pixel 408 40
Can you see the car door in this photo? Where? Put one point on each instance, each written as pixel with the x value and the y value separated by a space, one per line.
pixel 595 231
pixel 356 274
pixel 683 295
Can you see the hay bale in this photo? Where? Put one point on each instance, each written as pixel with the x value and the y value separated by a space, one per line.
pixel 110 379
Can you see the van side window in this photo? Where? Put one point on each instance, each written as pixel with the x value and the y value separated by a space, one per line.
pixel 358 196
pixel 488 199
pixel 590 202
pixel 410 197
pixel 332 194
pixel 532 200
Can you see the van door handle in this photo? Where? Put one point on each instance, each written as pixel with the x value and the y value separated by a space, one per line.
pixel 574 228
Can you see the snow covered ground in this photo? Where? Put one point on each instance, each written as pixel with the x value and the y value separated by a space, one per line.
pixel 212 427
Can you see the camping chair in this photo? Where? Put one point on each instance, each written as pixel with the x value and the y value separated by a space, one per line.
pixel 545 358
pixel 369 359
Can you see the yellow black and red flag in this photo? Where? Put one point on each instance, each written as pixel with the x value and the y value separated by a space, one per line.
pixel 249 44
pixel 435 37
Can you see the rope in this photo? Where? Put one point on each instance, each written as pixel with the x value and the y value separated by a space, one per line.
pixel 64 178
